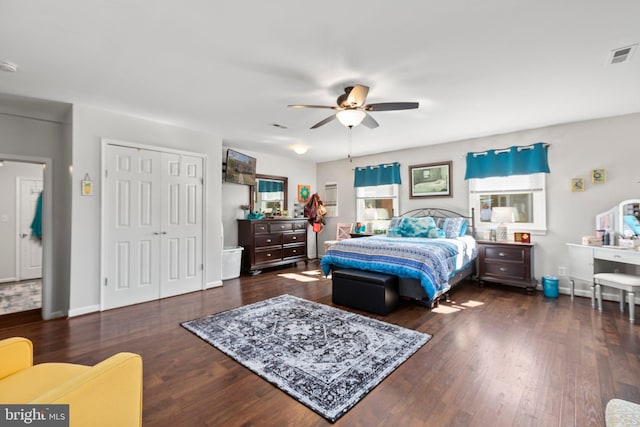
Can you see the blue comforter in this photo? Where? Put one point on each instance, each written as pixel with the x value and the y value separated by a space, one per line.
pixel 431 261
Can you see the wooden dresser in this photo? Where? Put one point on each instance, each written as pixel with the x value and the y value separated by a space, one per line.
pixel 507 263
pixel 272 242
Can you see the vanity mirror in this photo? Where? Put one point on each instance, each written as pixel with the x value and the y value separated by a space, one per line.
pixel 269 195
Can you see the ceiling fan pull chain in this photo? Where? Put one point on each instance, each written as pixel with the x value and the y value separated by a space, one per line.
pixel 349 145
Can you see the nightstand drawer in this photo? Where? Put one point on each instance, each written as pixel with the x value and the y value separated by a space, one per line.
pixel 504 253
pixel 504 270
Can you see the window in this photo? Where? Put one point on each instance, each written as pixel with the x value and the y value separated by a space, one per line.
pixel 526 194
pixel 331 198
pixel 376 205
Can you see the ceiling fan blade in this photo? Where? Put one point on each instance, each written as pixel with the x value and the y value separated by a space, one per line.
pixel 370 122
pixel 324 122
pixel 313 106
pixel 390 106
pixel 357 96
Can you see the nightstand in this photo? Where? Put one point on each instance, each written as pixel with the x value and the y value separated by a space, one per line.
pixel 507 263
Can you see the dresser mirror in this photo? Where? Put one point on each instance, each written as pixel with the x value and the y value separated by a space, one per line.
pixel 269 195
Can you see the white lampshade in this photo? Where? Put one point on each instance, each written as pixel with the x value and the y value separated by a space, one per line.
pixel 351 118
pixel 503 214
pixel 370 214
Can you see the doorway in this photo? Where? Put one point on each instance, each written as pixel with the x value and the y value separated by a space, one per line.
pixel 21 255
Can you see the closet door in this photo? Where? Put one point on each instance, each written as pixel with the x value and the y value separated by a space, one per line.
pixel 132 226
pixel 181 223
pixel 30 265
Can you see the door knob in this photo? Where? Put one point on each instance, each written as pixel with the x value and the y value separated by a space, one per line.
pixel 23 235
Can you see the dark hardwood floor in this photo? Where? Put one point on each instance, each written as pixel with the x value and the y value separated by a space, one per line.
pixel 498 357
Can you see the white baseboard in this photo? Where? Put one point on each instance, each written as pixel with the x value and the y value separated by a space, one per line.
pixel 84 310
pixel 606 296
pixel 215 284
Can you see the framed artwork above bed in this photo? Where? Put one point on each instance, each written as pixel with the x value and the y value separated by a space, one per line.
pixel 431 180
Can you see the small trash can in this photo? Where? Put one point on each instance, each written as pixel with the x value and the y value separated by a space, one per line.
pixel 231 262
pixel 550 286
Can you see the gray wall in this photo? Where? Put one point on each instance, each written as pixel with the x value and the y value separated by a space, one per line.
pixel 576 149
pixel 297 171
pixel 27 139
pixel 90 125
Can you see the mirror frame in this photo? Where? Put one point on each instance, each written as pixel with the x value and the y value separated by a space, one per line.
pixel 253 190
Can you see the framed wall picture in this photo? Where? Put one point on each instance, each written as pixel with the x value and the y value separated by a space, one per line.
pixel 577 184
pixel 598 176
pixel 304 191
pixel 431 180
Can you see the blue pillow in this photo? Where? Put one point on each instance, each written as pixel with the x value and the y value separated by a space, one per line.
pixel 454 227
pixel 416 227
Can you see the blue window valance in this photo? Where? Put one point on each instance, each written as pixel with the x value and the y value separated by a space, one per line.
pixel 523 160
pixel 383 174
pixel 266 186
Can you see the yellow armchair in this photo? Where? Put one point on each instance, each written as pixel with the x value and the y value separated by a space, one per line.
pixel 107 394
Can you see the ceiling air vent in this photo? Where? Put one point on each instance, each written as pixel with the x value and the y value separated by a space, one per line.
pixel 622 54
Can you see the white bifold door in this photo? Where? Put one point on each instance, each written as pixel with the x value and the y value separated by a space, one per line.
pixel 153 225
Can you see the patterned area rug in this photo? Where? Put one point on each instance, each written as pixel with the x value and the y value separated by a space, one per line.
pixel 326 358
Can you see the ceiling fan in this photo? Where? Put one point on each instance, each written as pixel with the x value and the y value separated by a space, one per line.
pixel 352 109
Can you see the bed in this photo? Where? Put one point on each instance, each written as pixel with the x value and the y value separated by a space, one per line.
pixel 427 267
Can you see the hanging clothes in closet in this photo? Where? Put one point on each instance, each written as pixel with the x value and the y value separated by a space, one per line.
pixel 36 224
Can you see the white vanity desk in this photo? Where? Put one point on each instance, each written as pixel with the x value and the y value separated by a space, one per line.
pixel 585 261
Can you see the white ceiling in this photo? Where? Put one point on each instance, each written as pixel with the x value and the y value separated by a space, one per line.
pixel 232 67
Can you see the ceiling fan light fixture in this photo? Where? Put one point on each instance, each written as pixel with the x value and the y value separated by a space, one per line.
pixel 299 148
pixel 351 118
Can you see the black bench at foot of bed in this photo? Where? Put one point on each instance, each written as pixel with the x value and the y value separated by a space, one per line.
pixel 365 290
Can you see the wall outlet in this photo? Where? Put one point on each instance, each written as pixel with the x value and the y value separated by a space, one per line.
pixel 562 271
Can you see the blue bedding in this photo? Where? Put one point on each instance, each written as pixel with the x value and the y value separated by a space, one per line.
pixel 431 261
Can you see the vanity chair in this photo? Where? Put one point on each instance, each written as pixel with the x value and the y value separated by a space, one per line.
pixel 627 284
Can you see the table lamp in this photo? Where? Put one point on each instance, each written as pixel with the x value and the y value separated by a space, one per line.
pixel 502 215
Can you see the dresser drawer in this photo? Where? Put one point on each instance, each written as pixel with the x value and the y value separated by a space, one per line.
pixel 268 240
pixel 260 228
pixel 504 253
pixel 294 251
pixel 300 225
pixel 294 237
pixel 268 255
pixel 505 270
pixel 274 227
